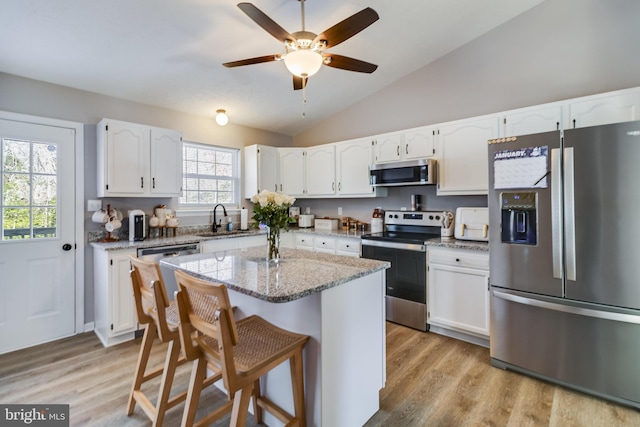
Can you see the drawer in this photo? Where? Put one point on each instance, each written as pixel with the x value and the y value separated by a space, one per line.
pixel 348 245
pixel 304 240
pixel 322 242
pixel 459 258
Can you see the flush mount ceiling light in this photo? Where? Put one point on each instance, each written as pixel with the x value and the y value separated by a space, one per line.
pixel 221 117
pixel 305 51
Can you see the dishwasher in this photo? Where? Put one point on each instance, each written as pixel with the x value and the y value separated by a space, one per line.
pixel 157 253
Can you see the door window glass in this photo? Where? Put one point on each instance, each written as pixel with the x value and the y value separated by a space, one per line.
pixel 28 208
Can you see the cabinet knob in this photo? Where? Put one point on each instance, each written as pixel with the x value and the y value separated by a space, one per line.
pixel 457 259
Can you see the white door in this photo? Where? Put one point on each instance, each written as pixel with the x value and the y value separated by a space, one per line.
pixel 37 236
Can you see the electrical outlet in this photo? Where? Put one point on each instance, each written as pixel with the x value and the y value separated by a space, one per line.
pixel 339 211
pixel 94 205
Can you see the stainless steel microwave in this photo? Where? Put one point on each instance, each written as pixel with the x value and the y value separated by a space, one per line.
pixel 411 172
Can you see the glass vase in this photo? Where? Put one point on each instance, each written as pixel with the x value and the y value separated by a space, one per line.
pixel 273 244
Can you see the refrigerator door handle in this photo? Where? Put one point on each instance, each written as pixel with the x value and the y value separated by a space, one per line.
pixel 556 213
pixel 569 214
pixel 580 311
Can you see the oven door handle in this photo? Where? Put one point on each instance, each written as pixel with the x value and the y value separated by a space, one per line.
pixel 394 245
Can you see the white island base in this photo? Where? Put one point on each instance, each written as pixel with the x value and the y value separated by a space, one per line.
pixel 344 360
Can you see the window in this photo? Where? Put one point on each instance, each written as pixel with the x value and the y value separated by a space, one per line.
pixel 210 176
pixel 28 178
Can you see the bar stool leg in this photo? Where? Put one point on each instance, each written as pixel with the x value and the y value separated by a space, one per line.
pixel 150 333
pixel 170 365
pixel 241 406
pixel 297 383
pixel 198 373
pixel 257 410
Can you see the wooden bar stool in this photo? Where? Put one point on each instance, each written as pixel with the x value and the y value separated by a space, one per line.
pixel 160 317
pixel 245 350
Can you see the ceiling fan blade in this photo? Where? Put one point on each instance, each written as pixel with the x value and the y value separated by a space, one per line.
pixel 349 27
pixel 260 18
pixel 299 82
pixel 257 60
pixel 349 64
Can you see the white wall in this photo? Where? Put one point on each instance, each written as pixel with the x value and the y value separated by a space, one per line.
pixel 558 50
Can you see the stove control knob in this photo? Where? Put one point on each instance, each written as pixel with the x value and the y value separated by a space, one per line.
pixel 430 216
pixel 437 217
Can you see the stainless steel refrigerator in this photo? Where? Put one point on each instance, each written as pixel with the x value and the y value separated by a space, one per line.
pixel 564 246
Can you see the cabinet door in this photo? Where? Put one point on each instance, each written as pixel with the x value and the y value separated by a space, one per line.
pixel 462 147
pixel 533 120
pixel 459 298
pixel 353 160
pixel 419 143
pixel 604 110
pixel 320 170
pixel 127 154
pixel 324 244
pixel 387 147
pixel 292 171
pixel 268 165
pixel 122 304
pixel 166 162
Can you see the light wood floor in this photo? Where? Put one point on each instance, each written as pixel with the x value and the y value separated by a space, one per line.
pixel 431 381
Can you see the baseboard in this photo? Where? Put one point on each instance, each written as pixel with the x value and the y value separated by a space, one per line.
pixel 88 327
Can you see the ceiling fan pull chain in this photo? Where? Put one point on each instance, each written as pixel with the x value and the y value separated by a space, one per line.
pixel 304 98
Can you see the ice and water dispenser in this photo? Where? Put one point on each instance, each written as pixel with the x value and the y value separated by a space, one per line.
pixel 519 218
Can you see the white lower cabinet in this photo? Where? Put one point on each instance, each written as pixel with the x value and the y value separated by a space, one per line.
pixel 328 244
pixel 348 247
pixel 304 242
pixel 324 244
pixel 114 305
pixel 458 290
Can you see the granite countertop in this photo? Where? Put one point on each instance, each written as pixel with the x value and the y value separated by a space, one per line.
pixel 298 274
pixel 452 243
pixel 202 236
pixel 180 239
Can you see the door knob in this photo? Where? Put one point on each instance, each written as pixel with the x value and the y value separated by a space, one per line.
pixel 66 247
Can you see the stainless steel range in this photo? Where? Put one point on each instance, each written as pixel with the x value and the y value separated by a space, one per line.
pixel 403 244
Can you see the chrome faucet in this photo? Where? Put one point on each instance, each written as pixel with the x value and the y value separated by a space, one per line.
pixel 214 226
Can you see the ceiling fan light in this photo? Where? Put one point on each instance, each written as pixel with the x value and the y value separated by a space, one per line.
pixel 221 117
pixel 303 62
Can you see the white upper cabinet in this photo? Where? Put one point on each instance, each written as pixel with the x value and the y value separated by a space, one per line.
pixel 320 170
pixel 387 147
pixel 292 179
pixel 604 109
pixel 261 169
pixel 532 120
pixel 353 160
pixel 166 172
pixel 138 161
pixel 462 148
pixel 417 143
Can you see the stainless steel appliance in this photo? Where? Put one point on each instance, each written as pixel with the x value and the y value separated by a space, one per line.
pixel 403 244
pixel 137 225
pixel 410 172
pixel 159 252
pixel 565 271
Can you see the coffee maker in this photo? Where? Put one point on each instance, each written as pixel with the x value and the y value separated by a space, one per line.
pixel 137 225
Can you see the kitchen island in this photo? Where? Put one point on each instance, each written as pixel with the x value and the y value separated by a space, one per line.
pixel 338 301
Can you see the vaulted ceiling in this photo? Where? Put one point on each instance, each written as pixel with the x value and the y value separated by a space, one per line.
pixel 169 53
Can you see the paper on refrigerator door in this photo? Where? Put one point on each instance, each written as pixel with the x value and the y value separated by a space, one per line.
pixel 520 168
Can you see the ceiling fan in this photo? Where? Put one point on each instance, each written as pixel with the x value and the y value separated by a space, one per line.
pixel 305 51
